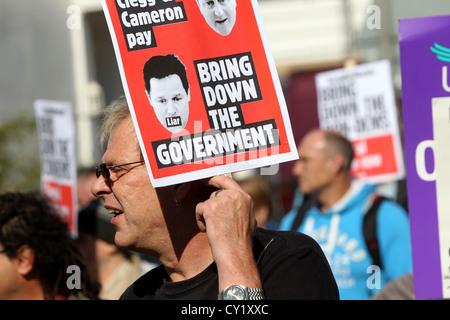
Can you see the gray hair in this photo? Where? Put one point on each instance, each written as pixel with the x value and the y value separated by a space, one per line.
pixel 115 113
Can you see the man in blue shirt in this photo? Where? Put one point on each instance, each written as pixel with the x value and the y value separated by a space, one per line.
pixel 335 220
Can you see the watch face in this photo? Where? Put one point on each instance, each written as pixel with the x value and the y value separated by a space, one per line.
pixel 234 293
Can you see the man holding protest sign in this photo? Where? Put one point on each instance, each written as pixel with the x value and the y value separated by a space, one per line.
pixel 201 231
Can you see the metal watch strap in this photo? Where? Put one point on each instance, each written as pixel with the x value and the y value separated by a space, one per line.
pixel 255 294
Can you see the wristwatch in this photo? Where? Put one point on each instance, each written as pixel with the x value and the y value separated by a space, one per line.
pixel 236 292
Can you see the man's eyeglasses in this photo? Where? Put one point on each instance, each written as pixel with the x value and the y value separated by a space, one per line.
pixel 103 169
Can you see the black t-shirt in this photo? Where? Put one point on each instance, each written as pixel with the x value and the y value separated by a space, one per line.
pixel 291 265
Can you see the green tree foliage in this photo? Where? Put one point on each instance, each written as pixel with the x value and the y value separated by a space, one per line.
pixel 19 154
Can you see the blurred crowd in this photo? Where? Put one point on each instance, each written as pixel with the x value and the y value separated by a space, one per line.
pixel 329 205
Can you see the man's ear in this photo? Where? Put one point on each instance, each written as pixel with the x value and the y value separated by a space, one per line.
pixel 338 162
pixel 25 258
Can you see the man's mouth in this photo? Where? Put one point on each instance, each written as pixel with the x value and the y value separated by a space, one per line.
pixel 221 21
pixel 115 212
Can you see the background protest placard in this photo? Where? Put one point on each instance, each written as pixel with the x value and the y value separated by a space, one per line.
pixel 203 92
pixel 425 58
pixel 359 102
pixel 55 126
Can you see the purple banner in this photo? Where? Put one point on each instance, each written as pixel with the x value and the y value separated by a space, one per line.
pixel 425 56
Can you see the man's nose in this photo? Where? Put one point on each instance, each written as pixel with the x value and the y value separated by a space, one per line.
pixel 218 10
pixel 101 187
pixel 171 109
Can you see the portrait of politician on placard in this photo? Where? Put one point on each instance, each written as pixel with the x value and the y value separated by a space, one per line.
pixel 167 88
pixel 220 15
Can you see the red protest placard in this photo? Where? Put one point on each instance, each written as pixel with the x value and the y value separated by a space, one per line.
pixel 374 156
pixel 201 85
pixel 61 196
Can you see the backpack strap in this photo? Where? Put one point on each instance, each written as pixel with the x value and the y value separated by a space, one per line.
pixel 370 230
pixel 308 203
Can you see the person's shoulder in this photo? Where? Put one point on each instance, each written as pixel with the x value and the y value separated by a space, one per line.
pixel 293 266
pixel 390 205
pixel 286 240
pixel 392 214
pixel 146 286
